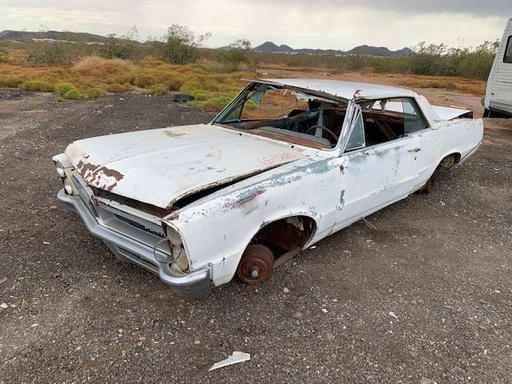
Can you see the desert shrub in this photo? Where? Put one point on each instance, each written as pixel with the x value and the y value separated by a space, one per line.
pixel 239 52
pixel 159 89
pixel 105 71
pixel 37 86
pixel 124 47
pixel 59 99
pixel 10 82
pixel 73 94
pixel 192 87
pixel 116 88
pixel 439 60
pixel 95 93
pixel 179 45
pixel 53 52
pixel 64 88
pixel 146 79
pixel 174 84
pixel 211 83
pixel 215 104
pixel 202 95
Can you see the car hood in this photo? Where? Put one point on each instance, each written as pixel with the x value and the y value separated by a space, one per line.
pixel 160 166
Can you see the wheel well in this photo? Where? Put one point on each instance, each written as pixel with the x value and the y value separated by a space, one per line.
pixel 449 161
pixel 286 234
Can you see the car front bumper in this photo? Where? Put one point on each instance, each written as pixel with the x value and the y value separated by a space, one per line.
pixel 192 284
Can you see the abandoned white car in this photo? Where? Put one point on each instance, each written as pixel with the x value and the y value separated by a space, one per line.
pixel 285 164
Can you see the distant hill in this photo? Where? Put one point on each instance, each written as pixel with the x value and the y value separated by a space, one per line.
pixel 270 47
pixel 267 47
pixel 52 35
pixel 273 48
pixel 379 51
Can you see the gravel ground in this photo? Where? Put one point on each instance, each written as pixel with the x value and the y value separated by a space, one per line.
pixel 425 297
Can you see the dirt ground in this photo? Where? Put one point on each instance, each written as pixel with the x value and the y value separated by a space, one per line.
pixel 425 297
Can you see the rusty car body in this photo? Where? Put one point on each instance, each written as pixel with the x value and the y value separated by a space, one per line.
pixel 285 164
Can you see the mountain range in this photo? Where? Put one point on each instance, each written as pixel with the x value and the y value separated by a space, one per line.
pixel 360 50
pixel 267 47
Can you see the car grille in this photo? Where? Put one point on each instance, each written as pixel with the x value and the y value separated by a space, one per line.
pixel 129 225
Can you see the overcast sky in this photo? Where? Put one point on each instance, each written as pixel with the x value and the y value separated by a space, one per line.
pixel 321 24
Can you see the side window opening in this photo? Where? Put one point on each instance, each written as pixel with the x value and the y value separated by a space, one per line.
pixel 413 120
pixel 507 58
pixel 390 119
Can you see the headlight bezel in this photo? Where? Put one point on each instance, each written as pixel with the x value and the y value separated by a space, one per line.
pixel 177 248
pixel 63 167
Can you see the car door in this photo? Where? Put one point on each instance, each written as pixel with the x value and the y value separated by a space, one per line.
pixel 374 176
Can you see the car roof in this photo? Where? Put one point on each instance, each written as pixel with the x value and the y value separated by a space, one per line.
pixel 344 89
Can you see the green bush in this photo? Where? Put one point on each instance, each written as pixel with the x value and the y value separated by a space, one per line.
pixel 73 94
pixel 64 88
pixel 37 86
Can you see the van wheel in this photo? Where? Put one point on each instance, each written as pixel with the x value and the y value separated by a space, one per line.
pixel 256 264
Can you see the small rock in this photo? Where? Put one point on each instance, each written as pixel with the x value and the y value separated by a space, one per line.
pixel 286 290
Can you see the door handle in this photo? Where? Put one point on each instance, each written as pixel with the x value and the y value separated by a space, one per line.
pixel 414 150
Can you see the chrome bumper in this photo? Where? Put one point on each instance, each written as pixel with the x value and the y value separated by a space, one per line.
pixel 193 284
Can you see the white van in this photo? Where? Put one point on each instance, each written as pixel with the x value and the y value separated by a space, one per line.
pixel 498 95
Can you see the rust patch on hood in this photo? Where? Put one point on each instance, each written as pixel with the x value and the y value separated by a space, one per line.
pixel 99 176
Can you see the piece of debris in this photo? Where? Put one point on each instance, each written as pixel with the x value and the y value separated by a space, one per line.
pixel 236 357
pixel 182 98
pixel 392 314
pixel 368 224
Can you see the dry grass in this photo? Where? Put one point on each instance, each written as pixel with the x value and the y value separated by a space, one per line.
pixel 94 77
pixel 470 86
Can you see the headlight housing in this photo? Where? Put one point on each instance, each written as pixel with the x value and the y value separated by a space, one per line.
pixel 64 172
pixel 177 248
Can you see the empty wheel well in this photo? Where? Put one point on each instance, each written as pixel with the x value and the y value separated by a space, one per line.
pixel 286 234
pixel 449 161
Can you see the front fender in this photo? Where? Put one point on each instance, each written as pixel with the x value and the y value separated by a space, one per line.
pixel 216 230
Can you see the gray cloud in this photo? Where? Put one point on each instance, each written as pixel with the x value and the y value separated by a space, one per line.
pixel 298 23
